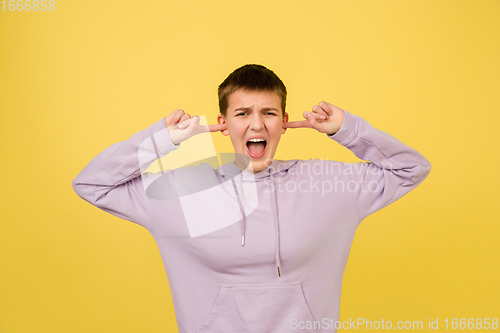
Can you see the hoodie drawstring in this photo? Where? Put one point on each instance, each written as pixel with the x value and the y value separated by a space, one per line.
pixel 274 203
pixel 243 224
pixel 276 225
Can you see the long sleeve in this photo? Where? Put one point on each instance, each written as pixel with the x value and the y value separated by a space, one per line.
pixel 114 181
pixel 393 170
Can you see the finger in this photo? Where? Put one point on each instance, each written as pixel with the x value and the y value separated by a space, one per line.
pixel 295 124
pixel 315 115
pixel 320 111
pixel 311 119
pixel 195 120
pixel 218 127
pixel 174 117
pixel 184 124
pixel 327 107
pixel 184 117
pixel 182 120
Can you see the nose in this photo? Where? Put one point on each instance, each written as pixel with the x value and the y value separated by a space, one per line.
pixel 256 121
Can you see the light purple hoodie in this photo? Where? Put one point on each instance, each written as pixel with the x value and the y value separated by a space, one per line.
pixel 297 220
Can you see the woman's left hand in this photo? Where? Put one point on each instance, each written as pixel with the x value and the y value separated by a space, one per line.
pixel 325 118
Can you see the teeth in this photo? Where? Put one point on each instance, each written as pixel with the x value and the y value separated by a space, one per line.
pixel 256 140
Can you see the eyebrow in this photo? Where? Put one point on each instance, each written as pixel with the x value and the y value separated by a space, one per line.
pixel 250 109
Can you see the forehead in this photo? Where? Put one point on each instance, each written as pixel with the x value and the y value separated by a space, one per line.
pixel 253 99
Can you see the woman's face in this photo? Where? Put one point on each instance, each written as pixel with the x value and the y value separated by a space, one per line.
pixel 254 123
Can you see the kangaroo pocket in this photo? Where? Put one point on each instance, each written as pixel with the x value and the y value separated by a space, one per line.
pixel 259 309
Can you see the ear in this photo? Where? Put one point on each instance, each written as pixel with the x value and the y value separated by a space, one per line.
pixel 220 121
pixel 285 119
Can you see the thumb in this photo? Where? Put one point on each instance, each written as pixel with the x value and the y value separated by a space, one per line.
pixel 311 120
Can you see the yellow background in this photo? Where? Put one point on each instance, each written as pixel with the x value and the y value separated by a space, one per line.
pixel 92 73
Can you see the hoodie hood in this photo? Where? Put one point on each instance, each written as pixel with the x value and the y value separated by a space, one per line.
pixel 277 168
pixel 230 170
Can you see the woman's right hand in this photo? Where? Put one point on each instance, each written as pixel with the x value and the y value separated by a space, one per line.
pixel 181 126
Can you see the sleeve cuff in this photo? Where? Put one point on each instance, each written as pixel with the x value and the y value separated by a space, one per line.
pixel 347 132
pixel 162 138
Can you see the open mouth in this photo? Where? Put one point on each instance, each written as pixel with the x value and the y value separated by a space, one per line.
pixel 256 147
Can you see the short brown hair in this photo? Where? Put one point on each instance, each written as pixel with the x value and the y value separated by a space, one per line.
pixel 254 78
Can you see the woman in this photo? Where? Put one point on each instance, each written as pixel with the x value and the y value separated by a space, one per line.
pixel 255 245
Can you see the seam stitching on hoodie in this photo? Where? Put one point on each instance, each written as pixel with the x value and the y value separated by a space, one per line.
pixel 154 204
pixel 388 159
